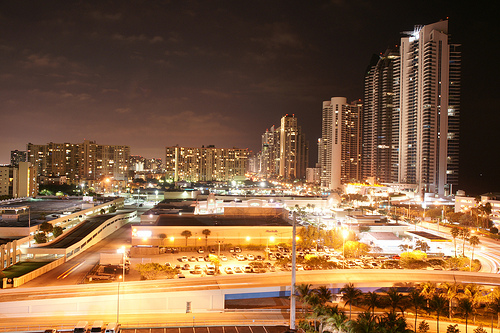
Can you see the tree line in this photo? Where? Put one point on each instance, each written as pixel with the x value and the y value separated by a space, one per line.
pixel 384 312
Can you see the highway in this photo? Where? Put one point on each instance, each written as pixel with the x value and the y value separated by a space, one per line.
pixel 331 278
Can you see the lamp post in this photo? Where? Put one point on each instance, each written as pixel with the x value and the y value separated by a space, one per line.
pixel 491 300
pixel 29 226
pixel 122 278
pixel 122 251
pixel 292 287
pixel 218 251
pixel 345 233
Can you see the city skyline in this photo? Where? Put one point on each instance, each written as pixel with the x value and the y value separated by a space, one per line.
pixel 197 74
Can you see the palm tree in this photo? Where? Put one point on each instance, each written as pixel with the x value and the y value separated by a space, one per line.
pixel 417 300
pixel 438 304
pixel 393 323
pixel 350 295
pixel 323 312
pixel 466 308
pixel 162 236
pixel 454 233
pixel 450 292
pixel 187 234
pixel 339 320
pixel 428 289
pixel 324 294
pixel 207 233
pixel 473 241
pixel 302 291
pixel 465 234
pixel 395 300
pixel 474 292
pixel 372 300
pixel 365 323
pixel 494 307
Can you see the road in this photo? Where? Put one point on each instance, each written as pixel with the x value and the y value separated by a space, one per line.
pixel 331 278
pixel 73 271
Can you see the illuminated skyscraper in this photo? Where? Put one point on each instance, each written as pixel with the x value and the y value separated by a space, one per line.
pixel 270 153
pixel 205 163
pixel 430 109
pixel 412 110
pixel 340 154
pixel 294 149
pixel 79 162
pixel 380 152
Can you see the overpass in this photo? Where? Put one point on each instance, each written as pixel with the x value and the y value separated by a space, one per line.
pixel 205 293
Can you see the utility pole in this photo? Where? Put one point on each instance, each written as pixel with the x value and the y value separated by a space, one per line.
pixel 292 288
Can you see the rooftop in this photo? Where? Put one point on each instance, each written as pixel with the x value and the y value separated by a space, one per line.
pixel 427 235
pixel 219 220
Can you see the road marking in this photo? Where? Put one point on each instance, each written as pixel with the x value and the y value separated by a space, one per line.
pixel 70 270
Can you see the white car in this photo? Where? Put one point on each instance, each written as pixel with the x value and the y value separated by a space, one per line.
pixel 237 269
pixel 250 257
pixel 228 270
pixel 223 258
pixel 240 257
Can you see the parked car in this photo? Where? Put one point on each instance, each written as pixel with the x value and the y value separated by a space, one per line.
pixel 223 258
pixel 184 258
pixel 200 258
pixel 250 257
pixel 228 270
pixel 200 250
pixel 240 257
pixel 196 270
pixel 193 258
pixel 248 269
pixel 237 250
pixel 210 269
pixel 237 269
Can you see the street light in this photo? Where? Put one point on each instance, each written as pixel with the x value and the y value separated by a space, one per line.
pixel 345 233
pixel 218 252
pixel 122 251
pixel 491 300
pixel 122 278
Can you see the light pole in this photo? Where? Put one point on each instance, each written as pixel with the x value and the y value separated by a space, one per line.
pixel 122 251
pixel 345 233
pixel 122 277
pixel 292 287
pixel 29 226
pixel 218 251
pixel 491 300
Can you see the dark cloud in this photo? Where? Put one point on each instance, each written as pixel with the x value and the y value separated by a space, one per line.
pixel 151 74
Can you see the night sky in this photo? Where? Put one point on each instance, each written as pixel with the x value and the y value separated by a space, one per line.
pixel 151 74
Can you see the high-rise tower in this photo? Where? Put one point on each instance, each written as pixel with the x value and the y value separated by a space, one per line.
pixel 381 118
pixel 340 154
pixel 412 109
pixel 294 150
pixel 429 113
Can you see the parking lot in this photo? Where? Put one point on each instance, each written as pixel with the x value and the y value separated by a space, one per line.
pixel 243 261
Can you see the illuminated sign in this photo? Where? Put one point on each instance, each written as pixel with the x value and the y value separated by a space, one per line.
pixel 144 233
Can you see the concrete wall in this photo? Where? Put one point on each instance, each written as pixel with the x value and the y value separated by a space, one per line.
pixel 235 235
pixel 104 230
pixel 37 272
pixel 134 303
